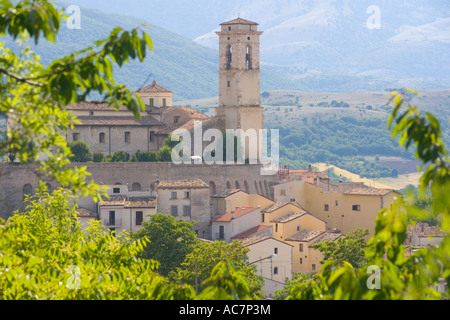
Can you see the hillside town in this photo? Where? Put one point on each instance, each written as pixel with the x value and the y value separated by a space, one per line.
pixel 279 218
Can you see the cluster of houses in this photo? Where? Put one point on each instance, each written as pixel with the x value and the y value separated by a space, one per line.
pixel 279 233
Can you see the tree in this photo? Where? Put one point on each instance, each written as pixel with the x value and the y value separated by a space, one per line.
pixel 141 156
pixel 165 154
pixel 34 97
pixel 350 248
pixel 45 254
pixel 207 255
pixel 98 157
pixel 290 283
pixel 170 241
pixel 80 151
pixel 401 276
pixel 394 173
pixel 120 156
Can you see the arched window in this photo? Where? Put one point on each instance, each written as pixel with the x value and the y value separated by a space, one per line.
pixel 27 190
pixel 248 58
pixel 136 187
pixel 256 187
pixel 229 185
pixel 238 186
pixel 229 57
pixel 212 188
pixel 246 187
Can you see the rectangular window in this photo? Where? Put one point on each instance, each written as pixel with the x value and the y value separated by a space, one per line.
pixel 275 270
pixel 283 192
pixel 164 102
pixel 301 247
pixel 112 218
pixel 187 195
pixel 275 250
pixel 101 137
pixel 314 267
pixel 301 260
pixel 75 136
pixel 152 136
pixel 276 227
pixel 127 137
pixel 174 210
pixel 152 102
pixel 173 195
pixel 139 218
pixel 176 119
pixel 356 207
pixel 116 190
pixel 229 84
pixel 187 211
pixel 327 208
pixel 263 217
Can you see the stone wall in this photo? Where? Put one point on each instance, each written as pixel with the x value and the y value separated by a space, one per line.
pixel 17 179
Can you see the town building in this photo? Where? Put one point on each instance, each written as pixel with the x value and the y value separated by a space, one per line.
pixel 272 259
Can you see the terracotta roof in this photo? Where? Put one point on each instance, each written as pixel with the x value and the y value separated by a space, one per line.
pixel 154 87
pixel 237 213
pixel 238 21
pixel 177 184
pixel 305 235
pixel 369 191
pixel 95 106
pixel 118 121
pixel 142 202
pixel 252 240
pixel 328 236
pixel 278 205
pixel 289 217
pixel 227 193
pixel 254 230
pixel 113 201
pixel 85 213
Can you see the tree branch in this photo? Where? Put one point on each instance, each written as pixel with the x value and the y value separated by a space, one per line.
pixel 20 79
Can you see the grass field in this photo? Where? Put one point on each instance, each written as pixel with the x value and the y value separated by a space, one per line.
pixel 385 183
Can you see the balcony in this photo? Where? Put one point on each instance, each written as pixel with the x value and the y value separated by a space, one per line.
pixel 115 223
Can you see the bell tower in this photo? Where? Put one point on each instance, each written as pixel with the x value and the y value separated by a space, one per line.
pixel 239 75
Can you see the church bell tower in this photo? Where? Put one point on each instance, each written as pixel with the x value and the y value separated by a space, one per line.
pixel 239 75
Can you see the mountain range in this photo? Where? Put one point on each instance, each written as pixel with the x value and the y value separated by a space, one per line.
pixel 322 45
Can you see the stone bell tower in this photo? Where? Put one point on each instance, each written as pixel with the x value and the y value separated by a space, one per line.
pixel 239 75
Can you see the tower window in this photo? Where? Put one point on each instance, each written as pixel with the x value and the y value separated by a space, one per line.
pixel 229 57
pixel 228 84
pixel 248 58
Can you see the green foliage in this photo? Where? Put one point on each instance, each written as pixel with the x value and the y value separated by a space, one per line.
pixel 35 97
pixel 80 151
pixel 170 241
pixel 141 156
pixel 402 277
pixel 207 255
pixel 120 156
pixel 290 283
pixel 165 154
pixel 46 255
pixel 98 157
pixel 350 248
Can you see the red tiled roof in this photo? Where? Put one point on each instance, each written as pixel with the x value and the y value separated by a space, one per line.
pixel 118 121
pixel 248 233
pixel 237 213
pixel 239 21
pixel 176 184
pixel 369 192
pixel 154 87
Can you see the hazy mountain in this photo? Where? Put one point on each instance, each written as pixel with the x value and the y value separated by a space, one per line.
pixel 178 63
pixel 323 44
